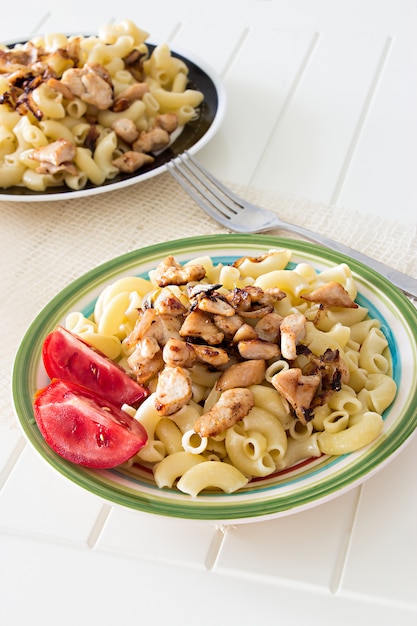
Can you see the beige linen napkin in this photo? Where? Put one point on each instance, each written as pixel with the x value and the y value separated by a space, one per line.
pixel 46 245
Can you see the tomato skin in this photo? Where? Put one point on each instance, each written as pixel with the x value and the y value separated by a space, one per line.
pixel 85 428
pixel 67 356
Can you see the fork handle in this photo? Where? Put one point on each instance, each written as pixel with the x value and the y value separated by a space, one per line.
pixel 406 283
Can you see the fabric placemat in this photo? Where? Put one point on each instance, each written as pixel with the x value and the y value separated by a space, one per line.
pixel 46 245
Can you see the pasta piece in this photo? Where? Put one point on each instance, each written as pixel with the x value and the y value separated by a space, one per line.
pixel 362 433
pixel 297 430
pixel 168 432
pixel 336 421
pixel 75 181
pixel 174 466
pixel 255 445
pixel 361 329
pixel 154 450
pixel 292 283
pixel 345 400
pixel 87 330
pixel 268 399
pixel 212 474
pixel 54 130
pixel 258 266
pixel 378 393
pixel 300 450
pixel 370 356
pixel 194 443
pixel 104 154
pixel 49 102
pixel 85 161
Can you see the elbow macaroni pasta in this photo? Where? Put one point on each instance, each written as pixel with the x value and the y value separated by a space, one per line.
pixel 269 438
pixel 50 113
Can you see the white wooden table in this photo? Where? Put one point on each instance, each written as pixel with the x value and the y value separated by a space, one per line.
pixel 322 101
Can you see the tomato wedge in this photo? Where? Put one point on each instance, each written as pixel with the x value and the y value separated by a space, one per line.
pixel 85 428
pixel 68 357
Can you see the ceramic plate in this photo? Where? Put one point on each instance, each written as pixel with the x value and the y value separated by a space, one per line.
pixel 305 485
pixel 193 137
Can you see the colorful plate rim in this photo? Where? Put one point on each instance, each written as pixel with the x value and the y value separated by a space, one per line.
pixel 310 484
pixel 195 135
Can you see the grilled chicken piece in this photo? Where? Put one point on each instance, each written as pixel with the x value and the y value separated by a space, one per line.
pixel 265 297
pixel 198 324
pixel 242 374
pixel 126 129
pixel 151 140
pixel 9 59
pixel 144 369
pixel 254 302
pixel 173 390
pixel 165 302
pixel 293 330
pixel 170 272
pixel 49 169
pixel 240 300
pixel 151 333
pixel 150 324
pixel 216 357
pixel 142 327
pixel 232 406
pixel 268 327
pixel 129 95
pixel 131 161
pixel 245 333
pixel 56 153
pixel 258 312
pixel 91 83
pixel 167 326
pixel 180 353
pixel 216 304
pixel 184 354
pixel 298 390
pixel 258 349
pixel 228 325
pixel 331 294
pixel 167 121
pixel 332 369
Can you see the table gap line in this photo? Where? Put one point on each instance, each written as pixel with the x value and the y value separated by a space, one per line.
pixel 291 93
pixel 174 32
pixel 342 554
pixel 235 51
pixel 215 547
pixel 38 27
pixel 337 191
pixel 99 525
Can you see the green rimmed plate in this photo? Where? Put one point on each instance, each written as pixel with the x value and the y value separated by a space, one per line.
pixel 302 487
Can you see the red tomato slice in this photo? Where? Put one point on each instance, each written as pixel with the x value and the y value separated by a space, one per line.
pixel 68 357
pixel 85 428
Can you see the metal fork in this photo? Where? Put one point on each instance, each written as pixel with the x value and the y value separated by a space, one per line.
pixel 241 216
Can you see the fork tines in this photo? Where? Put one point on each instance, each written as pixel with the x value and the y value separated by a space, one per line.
pixel 206 190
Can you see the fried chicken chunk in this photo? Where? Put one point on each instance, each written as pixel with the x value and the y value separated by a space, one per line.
pixel 170 272
pixel 331 294
pixel 173 390
pixel 298 389
pixel 232 406
pixel 91 83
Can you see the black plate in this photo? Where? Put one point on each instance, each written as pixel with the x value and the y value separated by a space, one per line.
pixel 210 111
